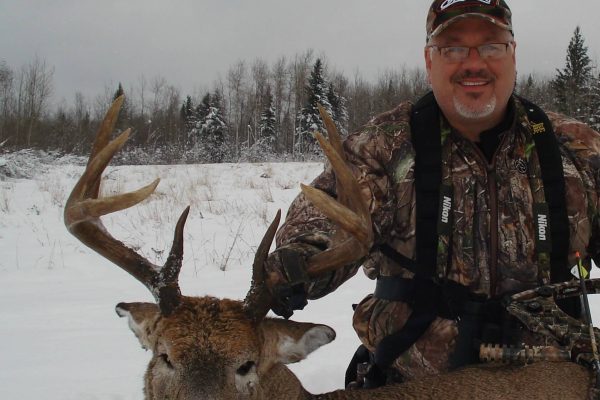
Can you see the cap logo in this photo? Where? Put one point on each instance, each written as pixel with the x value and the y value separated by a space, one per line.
pixel 448 3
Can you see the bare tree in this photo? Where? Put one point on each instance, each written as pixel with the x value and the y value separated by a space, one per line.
pixel 361 102
pixel 299 71
pixel 35 89
pixel 6 98
pixel 171 122
pixel 235 94
pixel 103 101
pixel 279 76
pixel 82 119
pixel 260 80
pixel 142 84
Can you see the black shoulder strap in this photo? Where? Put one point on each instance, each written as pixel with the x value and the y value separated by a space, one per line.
pixel 553 178
pixel 426 140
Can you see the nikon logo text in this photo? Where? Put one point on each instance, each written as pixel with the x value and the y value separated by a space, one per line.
pixel 446 206
pixel 542 226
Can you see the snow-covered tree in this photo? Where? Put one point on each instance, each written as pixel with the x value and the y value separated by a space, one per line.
pixel 339 113
pixel 203 109
pixel 308 120
pixel 188 115
pixel 211 135
pixel 571 85
pixel 265 146
pixel 207 135
pixel 125 112
pixel 594 119
pixel 267 127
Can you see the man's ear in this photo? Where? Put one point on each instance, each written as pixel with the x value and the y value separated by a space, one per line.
pixel 289 341
pixel 141 318
pixel 427 55
pixel 514 55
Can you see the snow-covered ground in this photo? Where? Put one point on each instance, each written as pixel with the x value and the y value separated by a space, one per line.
pixel 60 338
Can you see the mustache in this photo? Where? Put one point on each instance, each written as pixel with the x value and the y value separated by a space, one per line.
pixel 469 74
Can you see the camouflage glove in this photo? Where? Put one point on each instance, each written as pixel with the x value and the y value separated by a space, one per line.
pixel 288 281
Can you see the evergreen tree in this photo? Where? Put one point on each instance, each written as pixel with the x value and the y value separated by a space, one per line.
pixel 188 115
pixel 308 120
pixel 210 132
pixel 571 85
pixel 339 113
pixel 203 109
pixel 217 100
pixel 119 92
pixel 595 103
pixel 125 112
pixel 267 128
pixel 526 87
pixel 265 145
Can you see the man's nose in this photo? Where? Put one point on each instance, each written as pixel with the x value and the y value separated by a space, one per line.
pixel 474 61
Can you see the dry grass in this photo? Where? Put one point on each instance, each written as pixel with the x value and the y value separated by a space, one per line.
pixel 56 190
pixel 6 191
pixel 265 192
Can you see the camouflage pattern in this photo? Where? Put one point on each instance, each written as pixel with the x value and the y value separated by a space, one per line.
pixel 382 158
pixel 522 355
pixel 537 310
pixel 442 13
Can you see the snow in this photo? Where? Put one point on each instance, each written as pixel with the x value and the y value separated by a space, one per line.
pixel 60 338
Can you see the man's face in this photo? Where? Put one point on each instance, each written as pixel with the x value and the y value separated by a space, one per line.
pixel 473 89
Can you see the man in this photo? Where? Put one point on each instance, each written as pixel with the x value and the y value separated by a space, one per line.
pixel 474 194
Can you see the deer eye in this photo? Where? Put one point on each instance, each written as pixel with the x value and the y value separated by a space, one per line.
pixel 165 359
pixel 245 368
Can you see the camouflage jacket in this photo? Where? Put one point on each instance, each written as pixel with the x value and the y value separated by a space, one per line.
pixel 382 158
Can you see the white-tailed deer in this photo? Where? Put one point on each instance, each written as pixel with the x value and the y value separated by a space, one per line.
pixel 210 348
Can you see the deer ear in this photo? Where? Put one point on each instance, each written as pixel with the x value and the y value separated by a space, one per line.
pixel 141 318
pixel 293 341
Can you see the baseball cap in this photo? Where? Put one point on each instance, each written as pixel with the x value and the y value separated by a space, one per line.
pixel 442 13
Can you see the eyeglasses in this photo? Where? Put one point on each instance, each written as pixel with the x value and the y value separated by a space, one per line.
pixel 488 52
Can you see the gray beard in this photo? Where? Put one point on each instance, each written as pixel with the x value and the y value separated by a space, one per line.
pixel 475 113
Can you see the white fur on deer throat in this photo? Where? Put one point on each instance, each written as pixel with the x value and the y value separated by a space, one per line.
pixel 292 351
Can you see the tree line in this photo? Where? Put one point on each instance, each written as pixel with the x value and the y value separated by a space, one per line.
pixel 257 112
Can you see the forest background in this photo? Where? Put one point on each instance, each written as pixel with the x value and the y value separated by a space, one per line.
pixel 256 112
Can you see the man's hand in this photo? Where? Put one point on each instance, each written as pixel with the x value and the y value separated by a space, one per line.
pixel 287 280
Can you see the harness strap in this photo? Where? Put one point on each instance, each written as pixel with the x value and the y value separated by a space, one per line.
pixel 550 159
pixel 426 140
pixel 427 298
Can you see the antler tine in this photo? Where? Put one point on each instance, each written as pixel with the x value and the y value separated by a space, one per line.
pixel 103 136
pixel 258 299
pixel 83 211
pixel 332 131
pixel 349 211
pixel 347 186
pixel 168 292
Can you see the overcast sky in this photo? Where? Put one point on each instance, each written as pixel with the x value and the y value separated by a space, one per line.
pixel 193 42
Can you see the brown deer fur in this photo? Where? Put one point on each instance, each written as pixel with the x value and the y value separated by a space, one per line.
pixel 199 349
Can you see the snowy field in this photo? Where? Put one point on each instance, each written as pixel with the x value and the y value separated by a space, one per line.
pixel 60 338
